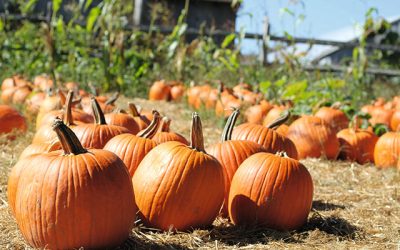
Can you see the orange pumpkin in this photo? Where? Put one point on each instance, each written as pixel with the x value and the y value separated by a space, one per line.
pixel 33 103
pixel 178 186
pixel 11 119
pixel 255 114
pixel 52 102
pixel 164 134
pixel 334 117
pixel 273 114
pixel 357 145
pixel 387 150
pixel 270 190
pixel 231 153
pixel 20 95
pixel 313 137
pixel 91 186
pixel 133 148
pixel 395 120
pixel 267 137
pixel 177 91
pixel 122 119
pixel 98 134
pixel 159 91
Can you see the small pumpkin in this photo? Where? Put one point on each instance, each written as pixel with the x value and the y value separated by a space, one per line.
pixel 11 119
pixel 133 148
pixel 177 91
pixel 178 186
pixel 97 134
pixel 387 150
pixel 334 117
pixel 122 119
pixel 255 114
pixel 313 137
pixel 395 120
pixel 231 153
pixel 160 90
pixel 271 190
pixel 164 134
pixel 267 137
pixel 72 198
pixel 273 114
pixel 357 144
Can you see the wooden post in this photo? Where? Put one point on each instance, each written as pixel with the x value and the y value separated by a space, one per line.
pixel 265 41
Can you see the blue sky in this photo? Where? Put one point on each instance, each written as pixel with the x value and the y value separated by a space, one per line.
pixel 320 18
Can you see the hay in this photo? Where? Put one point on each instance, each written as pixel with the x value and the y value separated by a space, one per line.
pixel 354 206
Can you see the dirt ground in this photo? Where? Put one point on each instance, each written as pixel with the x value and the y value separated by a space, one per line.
pixel 354 206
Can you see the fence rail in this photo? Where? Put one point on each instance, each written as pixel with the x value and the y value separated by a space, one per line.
pixel 265 38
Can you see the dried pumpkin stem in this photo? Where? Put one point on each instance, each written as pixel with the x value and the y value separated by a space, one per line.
pixel 230 124
pixel 68 119
pixel 280 120
pixel 98 113
pixel 353 124
pixel 112 99
pixel 62 97
pixel 69 142
pixel 151 130
pixel 165 123
pixel 133 109
pixel 196 133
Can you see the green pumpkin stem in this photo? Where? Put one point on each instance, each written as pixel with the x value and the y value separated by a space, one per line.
pixel 98 113
pixel 68 119
pixel 279 121
pixel 133 110
pixel 196 133
pixel 69 142
pixel 152 129
pixel 230 124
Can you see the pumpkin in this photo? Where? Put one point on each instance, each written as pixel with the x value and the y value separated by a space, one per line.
pixel 72 198
pixel 20 95
pixel 46 135
pixel 43 82
pixel 38 148
pixel 273 114
pixel 33 102
pixel 133 148
pixel 271 190
pixel 177 91
pixel 7 83
pixel 357 144
pixel 159 91
pixel 164 134
pixel 255 114
pixel 282 129
pixel 334 117
pixel 7 94
pixel 267 137
pixel 96 135
pixel 380 115
pixel 122 119
pixel 313 137
pixel 141 120
pixel 231 154
pixel 395 120
pixel 178 186
pixel 52 102
pixel 11 119
pixel 387 150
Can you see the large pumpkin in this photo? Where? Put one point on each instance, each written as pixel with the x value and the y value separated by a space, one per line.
pixel 231 153
pixel 72 198
pixel 313 138
pixel 11 119
pixel 387 150
pixel 270 190
pixel 271 140
pixel 96 135
pixel 178 186
pixel 133 148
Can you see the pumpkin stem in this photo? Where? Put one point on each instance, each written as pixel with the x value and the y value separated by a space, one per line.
pixel 196 133
pixel 151 130
pixel 336 105
pixel 165 123
pixel 98 113
pixel 354 123
pixel 230 124
pixel 93 89
pixel 133 109
pixel 120 111
pixel 280 120
pixel 69 142
pixel 63 99
pixel 282 154
pixel 112 99
pixel 68 119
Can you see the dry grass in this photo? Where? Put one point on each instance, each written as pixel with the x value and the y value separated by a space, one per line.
pixel 354 206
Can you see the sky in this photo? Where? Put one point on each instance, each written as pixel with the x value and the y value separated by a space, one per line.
pixel 327 19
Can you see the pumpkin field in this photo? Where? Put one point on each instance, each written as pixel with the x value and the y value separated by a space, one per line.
pixel 353 205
